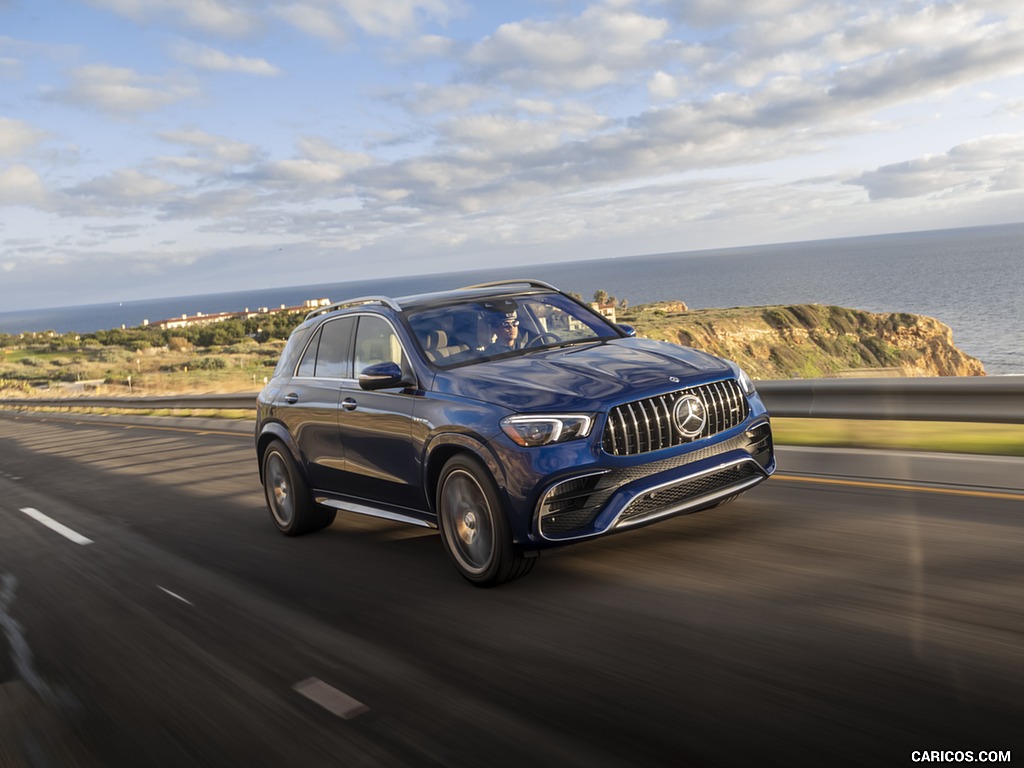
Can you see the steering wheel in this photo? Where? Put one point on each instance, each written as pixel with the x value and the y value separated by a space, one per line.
pixel 543 338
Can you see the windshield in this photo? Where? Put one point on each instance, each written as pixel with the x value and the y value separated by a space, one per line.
pixel 464 332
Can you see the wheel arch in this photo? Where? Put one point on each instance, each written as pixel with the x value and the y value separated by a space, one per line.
pixel 276 431
pixel 442 448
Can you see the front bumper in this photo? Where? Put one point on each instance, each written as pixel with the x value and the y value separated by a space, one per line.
pixel 598 502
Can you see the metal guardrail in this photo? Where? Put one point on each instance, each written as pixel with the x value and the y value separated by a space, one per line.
pixel 989 399
pixel 995 399
pixel 243 401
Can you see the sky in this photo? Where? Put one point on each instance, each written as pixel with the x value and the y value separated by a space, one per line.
pixel 155 148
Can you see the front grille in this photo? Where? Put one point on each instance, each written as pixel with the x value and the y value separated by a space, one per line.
pixel 675 495
pixel 648 425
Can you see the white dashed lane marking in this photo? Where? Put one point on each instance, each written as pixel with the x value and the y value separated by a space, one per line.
pixel 53 525
pixel 331 699
pixel 334 701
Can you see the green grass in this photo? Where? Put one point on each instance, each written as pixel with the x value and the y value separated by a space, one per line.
pixel 944 437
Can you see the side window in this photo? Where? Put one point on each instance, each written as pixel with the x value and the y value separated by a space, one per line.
pixel 308 362
pixel 376 342
pixel 335 353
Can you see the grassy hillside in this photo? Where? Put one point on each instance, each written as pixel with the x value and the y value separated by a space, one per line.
pixel 809 340
pixel 800 341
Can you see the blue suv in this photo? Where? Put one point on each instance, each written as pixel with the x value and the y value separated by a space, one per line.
pixel 508 415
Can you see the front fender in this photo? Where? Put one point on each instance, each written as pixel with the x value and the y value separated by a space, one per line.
pixel 443 446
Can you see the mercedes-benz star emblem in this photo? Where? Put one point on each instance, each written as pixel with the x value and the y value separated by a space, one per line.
pixel 690 415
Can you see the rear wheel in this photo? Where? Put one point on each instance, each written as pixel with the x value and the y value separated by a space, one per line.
pixel 474 529
pixel 291 506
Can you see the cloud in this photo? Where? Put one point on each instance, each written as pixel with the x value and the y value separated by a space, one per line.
pixel 1012 108
pixel 20 185
pixel 714 13
pixel 227 206
pixel 122 189
pixel 227 18
pixel 337 20
pixel 316 174
pixel 989 164
pixel 17 135
pixel 422 100
pixel 314 20
pixel 663 86
pixel 594 49
pixel 390 18
pixel 203 57
pixel 320 149
pixel 430 46
pixel 300 172
pixel 10 68
pixel 222 151
pixel 121 91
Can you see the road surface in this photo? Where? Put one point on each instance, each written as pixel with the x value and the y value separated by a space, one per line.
pixel 855 609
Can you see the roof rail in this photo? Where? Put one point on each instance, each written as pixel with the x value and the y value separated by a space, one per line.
pixel 497 283
pixel 384 300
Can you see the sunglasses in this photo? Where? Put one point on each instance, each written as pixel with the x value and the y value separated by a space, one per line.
pixel 510 324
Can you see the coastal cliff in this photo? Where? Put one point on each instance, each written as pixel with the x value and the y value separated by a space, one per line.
pixel 809 340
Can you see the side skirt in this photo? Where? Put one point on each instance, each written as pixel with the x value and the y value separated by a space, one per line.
pixel 364 509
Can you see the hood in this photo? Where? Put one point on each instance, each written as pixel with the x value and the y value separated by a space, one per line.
pixel 582 378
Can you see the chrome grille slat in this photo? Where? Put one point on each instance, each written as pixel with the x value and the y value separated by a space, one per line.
pixel 645 406
pixel 614 431
pixel 720 414
pixel 664 400
pixel 636 429
pixel 647 425
pixel 657 422
pixel 708 396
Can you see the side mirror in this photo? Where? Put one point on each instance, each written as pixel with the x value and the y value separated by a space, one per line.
pixel 629 330
pixel 382 376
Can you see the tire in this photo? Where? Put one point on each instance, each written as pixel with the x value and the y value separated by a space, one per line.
pixel 474 528
pixel 291 506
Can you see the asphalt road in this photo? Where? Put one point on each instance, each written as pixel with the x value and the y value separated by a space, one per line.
pixel 855 609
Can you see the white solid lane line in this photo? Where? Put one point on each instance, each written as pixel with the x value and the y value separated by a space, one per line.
pixel 331 699
pixel 174 595
pixel 53 525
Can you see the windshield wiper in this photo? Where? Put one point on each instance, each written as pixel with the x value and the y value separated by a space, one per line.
pixel 575 342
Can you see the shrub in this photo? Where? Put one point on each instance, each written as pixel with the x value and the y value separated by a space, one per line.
pixel 208 363
pixel 178 344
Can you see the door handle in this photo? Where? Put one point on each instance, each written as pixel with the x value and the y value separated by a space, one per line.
pixel 291 398
pixel 349 404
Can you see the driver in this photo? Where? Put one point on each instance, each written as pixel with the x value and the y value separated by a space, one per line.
pixel 506 333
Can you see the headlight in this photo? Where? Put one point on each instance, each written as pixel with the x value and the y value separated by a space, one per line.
pixel 745 382
pixel 530 431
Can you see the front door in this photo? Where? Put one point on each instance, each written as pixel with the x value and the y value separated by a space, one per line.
pixel 381 464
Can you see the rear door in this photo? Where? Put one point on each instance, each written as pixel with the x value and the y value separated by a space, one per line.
pixel 309 403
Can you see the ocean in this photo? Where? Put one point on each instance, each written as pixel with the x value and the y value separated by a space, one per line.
pixel 970 279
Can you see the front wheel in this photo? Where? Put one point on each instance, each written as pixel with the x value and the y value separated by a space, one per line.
pixel 474 529
pixel 291 506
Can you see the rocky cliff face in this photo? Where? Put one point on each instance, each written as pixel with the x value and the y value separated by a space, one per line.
pixel 810 340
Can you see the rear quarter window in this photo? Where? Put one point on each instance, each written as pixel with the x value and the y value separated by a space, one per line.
pixel 291 351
